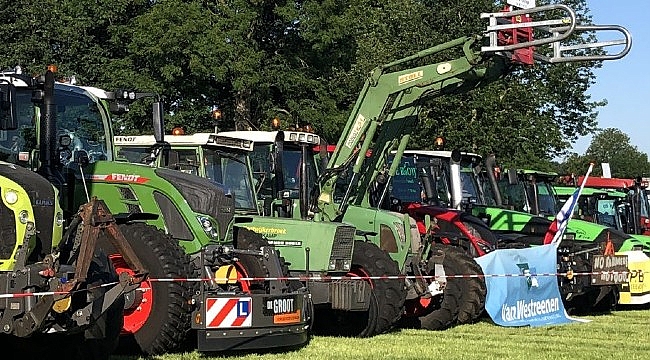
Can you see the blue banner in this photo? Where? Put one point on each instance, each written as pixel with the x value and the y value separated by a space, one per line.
pixel 524 299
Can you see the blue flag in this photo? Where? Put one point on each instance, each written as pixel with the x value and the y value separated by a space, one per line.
pixel 525 298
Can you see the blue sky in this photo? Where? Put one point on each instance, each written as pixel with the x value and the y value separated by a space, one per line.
pixel 625 83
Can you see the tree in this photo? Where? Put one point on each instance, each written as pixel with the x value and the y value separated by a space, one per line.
pixel 613 146
pixel 308 57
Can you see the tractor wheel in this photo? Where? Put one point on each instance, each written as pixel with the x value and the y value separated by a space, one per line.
pixel 472 302
pixel 110 323
pixel 253 265
pixel 445 311
pixel 156 316
pixel 386 299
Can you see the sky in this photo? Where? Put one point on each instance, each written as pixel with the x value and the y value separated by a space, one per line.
pixel 625 83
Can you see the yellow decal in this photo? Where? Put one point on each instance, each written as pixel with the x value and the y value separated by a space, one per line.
pixel 267 230
pixel 407 78
pixel 356 130
pixel 638 291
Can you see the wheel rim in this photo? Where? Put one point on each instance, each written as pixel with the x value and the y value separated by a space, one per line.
pixel 137 314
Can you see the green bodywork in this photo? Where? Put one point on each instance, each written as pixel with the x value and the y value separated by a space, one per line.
pixel 545 196
pixel 582 211
pixel 292 236
pixel 130 188
pixel 384 228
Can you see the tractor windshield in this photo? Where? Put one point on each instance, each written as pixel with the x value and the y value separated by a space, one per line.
pixel 231 170
pixel 606 212
pixel 545 197
pixel 16 145
pixel 471 189
pixel 77 116
pixel 137 155
pixel 291 163
pixel 405 184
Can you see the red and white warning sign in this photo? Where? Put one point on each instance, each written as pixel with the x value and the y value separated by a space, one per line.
pixel 228 312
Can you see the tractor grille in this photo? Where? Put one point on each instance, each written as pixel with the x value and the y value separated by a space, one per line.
pixel 133 208
pixel 343 243
pixel 174 221
pixel 126 193
pixel 7 231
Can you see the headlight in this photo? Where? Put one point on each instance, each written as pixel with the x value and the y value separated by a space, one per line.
pixel 59 219
pixel 23 216
pixel 332 264
pixel 11 197
pixel 207 226
pixel 347 264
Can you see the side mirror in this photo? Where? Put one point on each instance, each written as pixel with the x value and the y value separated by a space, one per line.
pixel 158 122
pixel 512 177
pixel 81 158
pixel 8 107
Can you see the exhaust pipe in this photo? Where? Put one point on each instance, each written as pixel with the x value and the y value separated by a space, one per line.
pixel 491 164
pixel 457 186
pixel 48 139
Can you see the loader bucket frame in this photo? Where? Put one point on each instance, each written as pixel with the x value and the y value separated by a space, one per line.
pixel 554 31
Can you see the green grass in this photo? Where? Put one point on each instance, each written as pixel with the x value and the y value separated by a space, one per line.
pixel 620 335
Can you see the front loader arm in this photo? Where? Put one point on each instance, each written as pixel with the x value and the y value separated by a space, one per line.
pixel 386 111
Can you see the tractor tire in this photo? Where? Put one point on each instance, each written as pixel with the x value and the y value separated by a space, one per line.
pixel 387 296
pixel 254 266
pixel 160 321
pixel 445 312
pixel 472 302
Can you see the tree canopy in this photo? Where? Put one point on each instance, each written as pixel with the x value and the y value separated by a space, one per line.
pixel 304 59
pixel 610 146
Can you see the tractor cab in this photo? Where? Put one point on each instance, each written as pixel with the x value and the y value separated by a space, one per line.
pixel 529 191
pixel 283 168
pixel 606 207
pixel 224 161
pixel 632 207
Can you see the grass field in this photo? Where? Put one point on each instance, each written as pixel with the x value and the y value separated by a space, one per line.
pixel 619 335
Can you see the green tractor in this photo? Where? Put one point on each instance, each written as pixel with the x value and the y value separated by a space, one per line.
pixel 621 202
pixel 601 206
pixel 455 180
pixel 181 227
pixel 532 192
pixel 353 186
pixel 344 306
pixel 58 286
